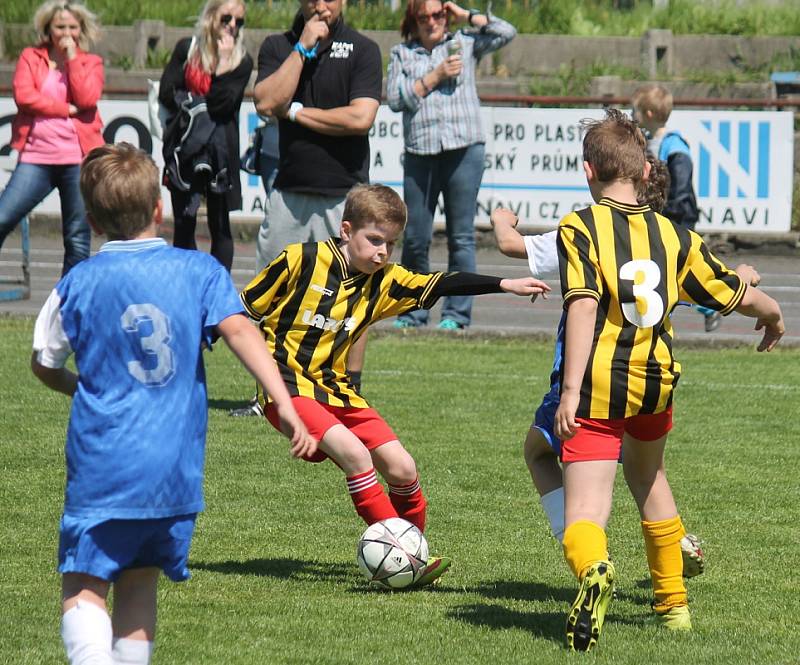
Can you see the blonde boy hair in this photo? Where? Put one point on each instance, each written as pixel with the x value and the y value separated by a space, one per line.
pixel 374 203
pixel 615 147
pixel 120 189
pixel 654 98
pixel 90 29
pixel 204 53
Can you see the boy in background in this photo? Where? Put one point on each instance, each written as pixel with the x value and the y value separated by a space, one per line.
pixel 623 270
pixel 652 106
pixel 136 316
pixel 313 302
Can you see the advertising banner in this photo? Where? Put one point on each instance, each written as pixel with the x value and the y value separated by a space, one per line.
pixel 743 161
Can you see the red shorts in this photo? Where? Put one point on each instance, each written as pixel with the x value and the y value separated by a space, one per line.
pixel 601 439
pixel 366 424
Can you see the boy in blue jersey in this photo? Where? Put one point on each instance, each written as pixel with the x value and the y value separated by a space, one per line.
pixel 136 316
pixel 652 106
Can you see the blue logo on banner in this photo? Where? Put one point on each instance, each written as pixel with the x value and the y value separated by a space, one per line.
pixel 252 123
pixel 748 168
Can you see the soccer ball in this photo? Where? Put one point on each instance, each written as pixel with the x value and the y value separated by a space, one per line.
pixel 392 553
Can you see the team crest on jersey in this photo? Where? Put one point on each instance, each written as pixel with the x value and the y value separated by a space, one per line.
pixel 327 323
pixel 341 50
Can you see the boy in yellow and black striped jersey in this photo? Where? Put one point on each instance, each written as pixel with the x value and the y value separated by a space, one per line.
pixel 312 302
pixel 623 269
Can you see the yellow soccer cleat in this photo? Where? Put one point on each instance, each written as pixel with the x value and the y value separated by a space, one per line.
pixel 434 569
pixel 675 618
pixel 586 616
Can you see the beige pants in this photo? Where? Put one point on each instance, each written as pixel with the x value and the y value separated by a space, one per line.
pixel 291 217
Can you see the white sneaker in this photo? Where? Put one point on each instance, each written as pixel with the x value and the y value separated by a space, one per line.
pixel 252 408
pixel 694 561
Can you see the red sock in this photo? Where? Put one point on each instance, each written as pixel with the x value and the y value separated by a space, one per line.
pixel 368 497
pixel 410 503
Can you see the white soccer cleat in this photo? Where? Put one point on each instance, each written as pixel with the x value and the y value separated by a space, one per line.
pixel 694 561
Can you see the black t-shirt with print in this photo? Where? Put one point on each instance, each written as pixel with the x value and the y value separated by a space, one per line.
pixel 348 66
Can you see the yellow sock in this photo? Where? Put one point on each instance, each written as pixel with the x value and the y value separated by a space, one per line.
pixel 584 543
pixel 662 541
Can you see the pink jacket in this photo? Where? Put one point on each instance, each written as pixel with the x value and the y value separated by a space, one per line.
pixel 86 76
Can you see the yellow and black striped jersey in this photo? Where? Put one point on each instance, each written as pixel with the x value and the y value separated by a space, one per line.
pixel 311 309
pixel 638 266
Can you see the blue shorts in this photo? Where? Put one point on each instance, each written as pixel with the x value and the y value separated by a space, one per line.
pixel 104 548
pixel 545 416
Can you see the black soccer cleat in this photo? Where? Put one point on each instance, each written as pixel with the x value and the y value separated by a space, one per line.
pixel 586 616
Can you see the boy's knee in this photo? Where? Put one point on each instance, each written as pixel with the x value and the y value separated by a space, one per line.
pixel 355 460
pixel 402 470
pixel 536 447
pixel 408 470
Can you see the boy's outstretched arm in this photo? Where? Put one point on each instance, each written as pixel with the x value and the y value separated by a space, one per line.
pixel 525 286
pixel 509 240
pixel 248 345
pixel 581 315
pixel 768 316
pixel 473 284
pixel 60 379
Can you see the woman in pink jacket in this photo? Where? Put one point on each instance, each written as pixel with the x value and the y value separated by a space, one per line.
pixel 56 88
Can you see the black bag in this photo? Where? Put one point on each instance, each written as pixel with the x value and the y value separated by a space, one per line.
pixel 252 156
pixel 195 149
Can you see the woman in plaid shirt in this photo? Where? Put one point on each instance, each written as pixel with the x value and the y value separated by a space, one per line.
pixel 432 81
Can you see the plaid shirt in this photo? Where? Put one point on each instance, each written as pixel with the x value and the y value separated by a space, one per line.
pixel 449 117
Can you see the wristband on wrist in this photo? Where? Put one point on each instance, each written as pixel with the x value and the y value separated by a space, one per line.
pixel 428 90
pixel 308 54
pixel 294 107
pixel 472 14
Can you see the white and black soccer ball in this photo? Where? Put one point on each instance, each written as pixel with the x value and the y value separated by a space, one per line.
pixel 392 553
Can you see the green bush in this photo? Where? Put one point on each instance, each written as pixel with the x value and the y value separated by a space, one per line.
pixel 589 17
pixel 570 80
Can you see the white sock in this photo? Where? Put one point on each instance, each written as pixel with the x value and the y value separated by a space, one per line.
pixel 553 504
pixel 132 652
pixel 86 631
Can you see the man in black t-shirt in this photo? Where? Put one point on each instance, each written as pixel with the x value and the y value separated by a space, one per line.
pixel 323 80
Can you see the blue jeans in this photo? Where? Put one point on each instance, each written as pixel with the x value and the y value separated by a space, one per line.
pixel 29 185
pixel 456 174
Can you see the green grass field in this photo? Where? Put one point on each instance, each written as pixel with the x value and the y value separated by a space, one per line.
pixel 274 573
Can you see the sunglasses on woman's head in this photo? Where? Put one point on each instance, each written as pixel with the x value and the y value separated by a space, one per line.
pixel 436 16
pixel 227 18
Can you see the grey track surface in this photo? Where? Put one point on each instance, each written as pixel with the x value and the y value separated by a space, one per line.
pixel 500 314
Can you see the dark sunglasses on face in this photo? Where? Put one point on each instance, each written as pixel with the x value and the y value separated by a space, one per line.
pixel 436 16
pixel 227 18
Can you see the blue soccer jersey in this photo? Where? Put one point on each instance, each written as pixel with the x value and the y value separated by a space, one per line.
pixel 544 419
pixel 136 316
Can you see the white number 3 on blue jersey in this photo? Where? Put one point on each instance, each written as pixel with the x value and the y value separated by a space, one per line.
pixel 155 344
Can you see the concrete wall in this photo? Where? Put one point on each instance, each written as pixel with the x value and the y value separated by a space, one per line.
pixel 656 51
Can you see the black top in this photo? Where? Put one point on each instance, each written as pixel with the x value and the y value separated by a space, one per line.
pixel 348 66
pixel 223 101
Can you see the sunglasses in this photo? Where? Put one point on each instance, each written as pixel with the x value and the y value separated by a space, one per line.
pixel 225 19
pixel 436 16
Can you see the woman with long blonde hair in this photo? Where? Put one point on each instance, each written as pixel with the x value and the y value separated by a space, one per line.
pixel 57 85
pixel 214 65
